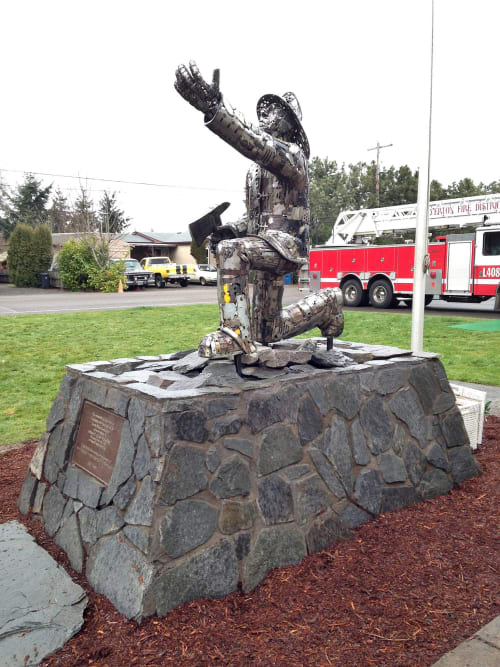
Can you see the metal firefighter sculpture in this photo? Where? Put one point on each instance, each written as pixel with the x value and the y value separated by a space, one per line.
pixel 273 238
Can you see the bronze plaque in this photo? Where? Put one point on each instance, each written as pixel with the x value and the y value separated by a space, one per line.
pixel 97 441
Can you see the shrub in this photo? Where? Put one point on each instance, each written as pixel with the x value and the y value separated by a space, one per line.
pixel 43 248
pixel 22 257
pixel 107 279
pixel 75 264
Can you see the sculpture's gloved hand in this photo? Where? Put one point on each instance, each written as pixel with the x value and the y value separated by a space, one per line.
pixel 221 233
pixel 194 89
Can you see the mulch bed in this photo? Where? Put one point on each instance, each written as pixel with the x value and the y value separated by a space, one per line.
pixel 408 587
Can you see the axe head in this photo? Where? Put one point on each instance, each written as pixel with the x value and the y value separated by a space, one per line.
pixel 204 226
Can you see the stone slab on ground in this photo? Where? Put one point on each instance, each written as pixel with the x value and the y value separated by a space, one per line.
pixel 481 650
pixel 41 607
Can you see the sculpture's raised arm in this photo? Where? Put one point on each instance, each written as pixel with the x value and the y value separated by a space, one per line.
pixel 284 159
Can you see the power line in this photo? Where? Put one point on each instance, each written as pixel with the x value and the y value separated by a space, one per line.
pixel 114 180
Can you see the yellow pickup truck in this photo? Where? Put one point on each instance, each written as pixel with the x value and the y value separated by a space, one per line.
pixel 165 271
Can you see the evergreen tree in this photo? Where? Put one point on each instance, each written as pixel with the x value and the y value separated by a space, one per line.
pixel 21 257
pixel 42 248
pixel 111 219
pixel 83 217
pixel 59 216
pixel 27 204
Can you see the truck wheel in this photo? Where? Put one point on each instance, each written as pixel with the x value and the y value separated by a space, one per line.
pixel 203 282
pixel 381 294
pixel 159 281
pixel 352 292
pixel 184 282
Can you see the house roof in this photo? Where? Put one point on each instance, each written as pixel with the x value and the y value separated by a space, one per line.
pixel 155 238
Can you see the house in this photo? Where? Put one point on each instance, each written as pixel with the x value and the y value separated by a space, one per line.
pixel 176 245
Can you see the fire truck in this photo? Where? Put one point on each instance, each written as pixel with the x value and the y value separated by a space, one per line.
pixel 460 266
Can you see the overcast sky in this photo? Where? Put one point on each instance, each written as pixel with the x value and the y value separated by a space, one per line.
pixel 88 91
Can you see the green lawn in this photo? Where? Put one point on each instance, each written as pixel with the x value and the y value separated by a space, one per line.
pixel 35 348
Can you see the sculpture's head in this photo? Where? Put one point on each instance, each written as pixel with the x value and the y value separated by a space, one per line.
pixel 281 116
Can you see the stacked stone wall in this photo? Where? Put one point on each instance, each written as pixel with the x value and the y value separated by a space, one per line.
pixel 219 480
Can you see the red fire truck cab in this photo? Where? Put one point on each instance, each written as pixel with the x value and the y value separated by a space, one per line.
pixel 461 267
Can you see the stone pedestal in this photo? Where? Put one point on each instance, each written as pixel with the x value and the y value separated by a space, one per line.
pixel 170 478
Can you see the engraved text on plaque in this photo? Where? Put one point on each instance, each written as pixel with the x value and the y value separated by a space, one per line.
pixel 97 441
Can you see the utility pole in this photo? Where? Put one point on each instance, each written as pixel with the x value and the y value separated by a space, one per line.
pixel 377 148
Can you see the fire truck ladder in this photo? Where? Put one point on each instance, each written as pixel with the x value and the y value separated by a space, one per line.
pixel 369 222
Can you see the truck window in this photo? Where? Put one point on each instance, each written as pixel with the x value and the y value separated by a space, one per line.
pixel 491 243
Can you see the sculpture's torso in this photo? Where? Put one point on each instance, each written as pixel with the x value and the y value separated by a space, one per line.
pixel 277 185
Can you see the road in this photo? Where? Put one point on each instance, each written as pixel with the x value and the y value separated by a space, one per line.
pixel 31 301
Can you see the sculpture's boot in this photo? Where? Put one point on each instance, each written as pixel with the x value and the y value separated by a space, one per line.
pixel 321 309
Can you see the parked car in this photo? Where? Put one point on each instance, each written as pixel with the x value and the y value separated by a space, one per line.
pixel 165 271
pixel 135 275
pixel 205 274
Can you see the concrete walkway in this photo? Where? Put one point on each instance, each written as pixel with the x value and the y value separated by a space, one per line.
pixel 480 650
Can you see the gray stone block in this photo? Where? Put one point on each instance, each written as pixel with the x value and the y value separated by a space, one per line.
pixel 68 538
pixel 88 525
pixel 57 412
pixel 275 500
pixel 312 498
pixel 143 463
pixel 463 464
pixel 67 384
pixel 330 359
pixel 294 472
pixel 121 573
pixel 377 424
pixel 437 457
pixel 319 396
pixel 123 465
pixel 453 429
pixel 232 478
pixel 117 401
pixel 327 472
pixel 41 607
pixel 81 486
pixel 240 445
pixel 279 447
pixel 434 483
pixel 415 462
pixel 264 410
pixel 189 425
pixel 153 430
pixel 39 496
pixel 140 510
pixel 309 420
pixel 289 396
pixel 38 458
pixel 360 450
pixel 212 459
pixel 368 491
pixel 53 508
pixel 138 536
pixel 236 516
pixel 242 545
pixel 389 380
pixel 350 514
pixel 107 521
pixel 396 497
pixel 228 425
pixel 324 531
pixel 51 465
pixel 335 447
pixel 136 415
pixel 426 384
pixel 344 393
pixel 277 546
pixel 125 493
pixel 191 362
pixel 27 495
pixel 392 468
pixel 443 402
pixel 184 473
pixel 212 573
pixel 219 406
pixel 187 525
pixel 406 405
